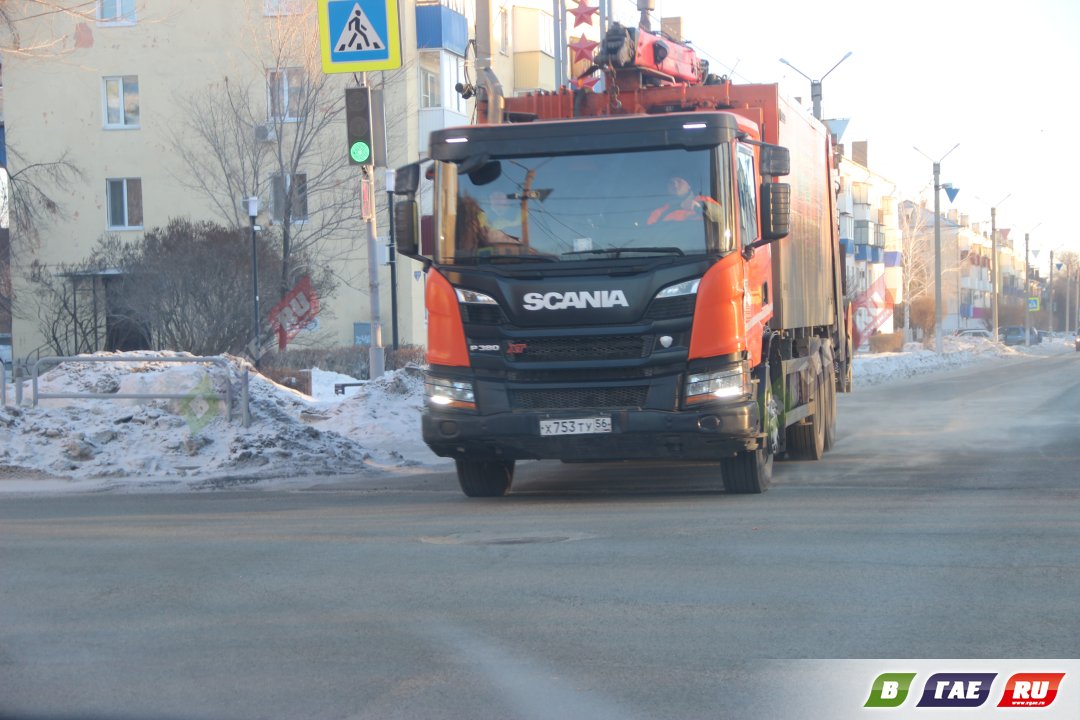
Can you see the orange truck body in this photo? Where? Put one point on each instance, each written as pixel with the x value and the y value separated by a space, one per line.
pixel 769 308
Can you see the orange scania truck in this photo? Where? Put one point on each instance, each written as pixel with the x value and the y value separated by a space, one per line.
pixel 648 272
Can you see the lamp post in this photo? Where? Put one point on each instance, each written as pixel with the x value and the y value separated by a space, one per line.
pixel 937 245
pixel 815 85
pixel 253 213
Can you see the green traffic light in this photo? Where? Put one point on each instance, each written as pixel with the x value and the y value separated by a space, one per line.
pixel 360 152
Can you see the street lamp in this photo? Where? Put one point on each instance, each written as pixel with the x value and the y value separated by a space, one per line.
pixel 253 213
pixel 937 244
pixel 815 85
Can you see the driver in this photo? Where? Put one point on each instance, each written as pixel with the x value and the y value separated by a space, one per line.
pixel 683 204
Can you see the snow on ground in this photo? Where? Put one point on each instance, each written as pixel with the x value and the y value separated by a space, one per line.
pixel 958 352
pixel 192 443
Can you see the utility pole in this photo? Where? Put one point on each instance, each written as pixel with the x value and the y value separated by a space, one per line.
pixel 815 85
pixel 938 348
pixel 1027 291
pixel 1050 299
pixel 995 273
pixel 1068 298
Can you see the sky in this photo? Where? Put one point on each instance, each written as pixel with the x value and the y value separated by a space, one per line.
pixel 995 77
pixel 294 440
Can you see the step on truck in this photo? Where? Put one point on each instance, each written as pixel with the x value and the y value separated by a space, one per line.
pixel 649 272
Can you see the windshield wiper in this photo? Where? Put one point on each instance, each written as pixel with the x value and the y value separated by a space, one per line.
pixel 527 258
pixel 618 251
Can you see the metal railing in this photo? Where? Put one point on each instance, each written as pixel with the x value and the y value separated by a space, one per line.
pixel 221 362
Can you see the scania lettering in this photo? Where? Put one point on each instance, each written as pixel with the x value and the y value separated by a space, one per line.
pixel 659 264
pixel 561 301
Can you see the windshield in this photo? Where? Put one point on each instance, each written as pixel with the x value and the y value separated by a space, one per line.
pixel 585 207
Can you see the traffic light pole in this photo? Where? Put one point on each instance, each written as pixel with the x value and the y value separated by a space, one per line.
pixel 359 120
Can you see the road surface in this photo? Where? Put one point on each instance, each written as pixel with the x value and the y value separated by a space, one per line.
pixel 945 524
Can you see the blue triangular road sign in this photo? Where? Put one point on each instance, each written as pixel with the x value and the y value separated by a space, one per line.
pixel 952 192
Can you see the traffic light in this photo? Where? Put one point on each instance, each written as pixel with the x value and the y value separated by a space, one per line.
pixel 358 124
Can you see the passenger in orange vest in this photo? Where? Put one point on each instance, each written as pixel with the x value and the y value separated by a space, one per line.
pixel 684 205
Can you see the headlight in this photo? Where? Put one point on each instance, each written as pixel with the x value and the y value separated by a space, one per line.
pixel 732 383
pixel 690 287
pixel 441 392
pixel 471 296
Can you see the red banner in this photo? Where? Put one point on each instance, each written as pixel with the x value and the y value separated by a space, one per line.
pixel 295 311
pixel 870 311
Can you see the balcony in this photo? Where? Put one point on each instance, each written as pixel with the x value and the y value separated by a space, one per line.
pixel 439 27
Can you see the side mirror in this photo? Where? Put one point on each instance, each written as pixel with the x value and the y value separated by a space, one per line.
pixel 407 228
pixel 775 160
pixel 407 179
pixel 775 211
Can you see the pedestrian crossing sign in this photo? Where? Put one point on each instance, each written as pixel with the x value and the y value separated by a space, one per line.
pixel 359 35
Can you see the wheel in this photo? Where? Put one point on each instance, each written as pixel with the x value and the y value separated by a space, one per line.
pixel 846 372
pixel 807 441
pixel 485 478
pixel 750 471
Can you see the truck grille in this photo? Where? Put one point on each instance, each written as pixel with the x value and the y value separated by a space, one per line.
pixel 603 347
pixel 573 398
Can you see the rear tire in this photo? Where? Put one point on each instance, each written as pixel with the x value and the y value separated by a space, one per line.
pixel 807 441
pixel 750 471
pixel 485 478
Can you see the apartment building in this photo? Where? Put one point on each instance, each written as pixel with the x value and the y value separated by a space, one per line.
pixel 870 234
pixel 966 266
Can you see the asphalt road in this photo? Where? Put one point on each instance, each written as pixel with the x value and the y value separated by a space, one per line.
pixel 945 524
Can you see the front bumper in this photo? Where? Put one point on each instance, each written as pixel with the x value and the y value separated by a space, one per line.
pixel 706 433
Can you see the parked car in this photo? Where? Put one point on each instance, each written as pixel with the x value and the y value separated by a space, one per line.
pixel 973 333
pixel 1014 335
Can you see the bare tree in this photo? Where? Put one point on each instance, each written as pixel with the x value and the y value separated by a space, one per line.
pixel 915 260
pixel 14 11
pixel 30 200
pixel 185 286
pixel 293 158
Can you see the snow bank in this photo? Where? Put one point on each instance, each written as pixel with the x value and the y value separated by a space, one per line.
pixel 158 440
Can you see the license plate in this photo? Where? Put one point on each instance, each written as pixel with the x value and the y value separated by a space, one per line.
pixel 576 426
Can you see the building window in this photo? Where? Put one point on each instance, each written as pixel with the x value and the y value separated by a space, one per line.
pixel 116 12
pixel 504 31
pixel 297 188
pixel 125 203
pixel 430 80
pixel 286 88
pixel 547 34
pixel 282 7
pixel 122 101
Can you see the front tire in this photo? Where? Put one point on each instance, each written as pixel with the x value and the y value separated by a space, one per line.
pixel 750 471
pixel 485 478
